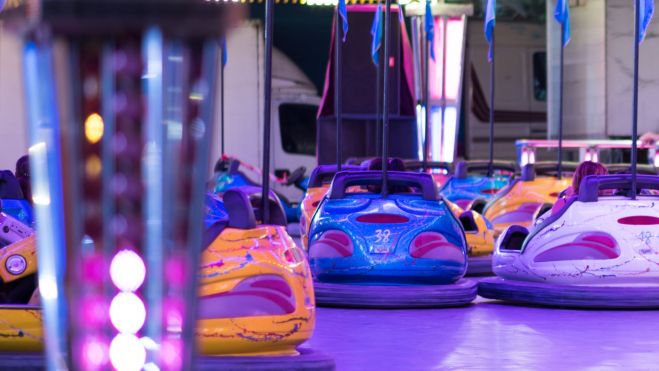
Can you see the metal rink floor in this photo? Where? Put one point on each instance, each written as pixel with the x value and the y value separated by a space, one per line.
pixel 488 335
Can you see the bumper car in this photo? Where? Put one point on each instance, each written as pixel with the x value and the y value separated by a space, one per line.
pixel 470 182
pixel 255 295
pixel 440 171
pixel 20 327
pixel 479 234
pixel 317 187
pixel 532 194
pixel 256 299
pixel 12 200
pixel 399 250
pixel 601 250
pixel 229 174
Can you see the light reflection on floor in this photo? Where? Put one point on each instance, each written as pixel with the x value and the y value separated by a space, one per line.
pixel 488 336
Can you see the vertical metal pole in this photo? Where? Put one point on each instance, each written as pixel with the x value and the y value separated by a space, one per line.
pixel 426 99
pixel 46 182
pixel 269 15
pixel 338 94
pixel 443 103
pixel 637 22
pixel 196 203
pixel 154 180
pixel 385 90
pixel 560 105
pixel 490 170
pixel 224 46
pixel 378 98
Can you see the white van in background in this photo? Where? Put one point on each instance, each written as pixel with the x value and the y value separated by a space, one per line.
pixel 520 88
pixel 294 108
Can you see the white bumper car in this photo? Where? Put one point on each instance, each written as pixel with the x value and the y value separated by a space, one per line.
pixel 599 251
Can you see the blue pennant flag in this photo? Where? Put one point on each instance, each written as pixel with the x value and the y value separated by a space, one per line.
pixel 376 33
pixel 562 15
pixel 490 22
pixel 646 11
pixel 224 51
pixel 343 13
pixel 430 29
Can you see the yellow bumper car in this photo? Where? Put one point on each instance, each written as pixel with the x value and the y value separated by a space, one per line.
pixel 528 196
pixel 256 295
pixel 319 183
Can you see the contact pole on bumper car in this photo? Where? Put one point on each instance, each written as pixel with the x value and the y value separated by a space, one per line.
pixel 385 96
pixel 269 19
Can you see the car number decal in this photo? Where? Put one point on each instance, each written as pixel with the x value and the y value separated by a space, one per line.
pixel 382 235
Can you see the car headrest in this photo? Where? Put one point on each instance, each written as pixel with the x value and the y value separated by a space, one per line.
pixel 464 168
pixel 345 179
pixel 9 186
pixel 324 174
pixel 591 185
pixel 243 205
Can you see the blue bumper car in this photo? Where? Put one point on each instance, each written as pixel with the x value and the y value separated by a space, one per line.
pixel 229 174
pixel 12 199
pixel 471 188
pixel 400 248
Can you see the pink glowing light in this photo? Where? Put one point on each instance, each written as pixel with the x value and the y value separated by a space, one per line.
pixel 94 353
pixel 127 353
pixel 173 314
pixel 94 268
pixel 127 270
pixel 175 271
pixel 127 313
pixel 94 310
pixel 454 46
pixel 171 356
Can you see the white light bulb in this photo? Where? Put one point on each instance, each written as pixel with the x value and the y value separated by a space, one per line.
pixel 127 353
pixel 127 270
pixel 127 313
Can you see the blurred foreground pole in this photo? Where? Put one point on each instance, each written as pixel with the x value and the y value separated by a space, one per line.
pixel 119 99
